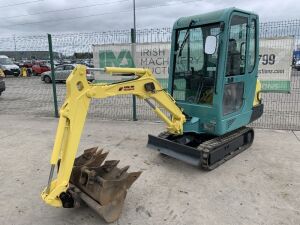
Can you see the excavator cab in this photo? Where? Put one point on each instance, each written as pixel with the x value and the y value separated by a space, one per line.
pixel 213 70
pixel 213 78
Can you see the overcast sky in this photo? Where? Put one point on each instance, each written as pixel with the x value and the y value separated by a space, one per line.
pixel 41 16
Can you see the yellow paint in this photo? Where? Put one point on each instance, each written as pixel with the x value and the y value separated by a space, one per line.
pixel 257 96
pixel 74 110
pixel 24 72
pixel 2 73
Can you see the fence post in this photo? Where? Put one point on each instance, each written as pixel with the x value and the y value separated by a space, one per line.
pixel 133 49
pixel 53 76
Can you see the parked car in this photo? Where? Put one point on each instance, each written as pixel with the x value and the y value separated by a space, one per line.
pixel 62 72
pixel 39 68
pixel 297 65
pixel 296 57
pixel 8 67
pixel 25 63
pixel 2 83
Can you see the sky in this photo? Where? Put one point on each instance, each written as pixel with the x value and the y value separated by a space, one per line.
pixel 42 16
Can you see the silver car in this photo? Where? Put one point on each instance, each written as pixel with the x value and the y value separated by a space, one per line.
pixel 62 72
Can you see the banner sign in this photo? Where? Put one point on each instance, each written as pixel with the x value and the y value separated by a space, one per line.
pixel 154 56
pixel 275 59
pixel 274 66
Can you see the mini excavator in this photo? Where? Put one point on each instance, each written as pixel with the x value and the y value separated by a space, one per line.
pixel 213 94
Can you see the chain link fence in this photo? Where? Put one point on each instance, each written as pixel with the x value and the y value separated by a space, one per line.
pixel 32 96
pixel 282 110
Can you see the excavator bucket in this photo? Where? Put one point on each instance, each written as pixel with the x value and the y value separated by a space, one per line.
pixel 101 185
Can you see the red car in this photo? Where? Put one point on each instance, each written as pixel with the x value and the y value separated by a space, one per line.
pixel 39 68
pixel 27 64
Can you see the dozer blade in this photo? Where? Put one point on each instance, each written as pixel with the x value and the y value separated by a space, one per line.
pixel 101 185
pixel 176 150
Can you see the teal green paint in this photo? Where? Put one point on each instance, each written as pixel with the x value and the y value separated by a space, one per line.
pixel 163 82
pixel 206 18
pixel 210 118
pixel 108 59
pixel 276 86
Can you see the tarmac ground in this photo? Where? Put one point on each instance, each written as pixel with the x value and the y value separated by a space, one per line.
pixel 259 186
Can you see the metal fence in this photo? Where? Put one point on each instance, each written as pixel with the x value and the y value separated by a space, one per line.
pixel 30 95
pixel 282 110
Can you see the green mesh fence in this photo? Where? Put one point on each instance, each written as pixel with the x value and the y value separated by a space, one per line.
pixel 32 96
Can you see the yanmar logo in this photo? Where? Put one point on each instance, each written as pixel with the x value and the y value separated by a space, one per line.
pixel 126 88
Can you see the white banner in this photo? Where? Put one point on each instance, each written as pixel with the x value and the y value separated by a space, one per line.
pixel 274 67
pixel 275 63
pixel 154 56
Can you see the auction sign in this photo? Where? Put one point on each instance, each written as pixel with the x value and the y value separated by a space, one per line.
pixel 275 57
pixel 154 56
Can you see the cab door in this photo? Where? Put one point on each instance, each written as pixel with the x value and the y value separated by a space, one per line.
pixel 235 66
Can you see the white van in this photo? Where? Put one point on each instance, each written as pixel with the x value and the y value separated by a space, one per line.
pixel 8 67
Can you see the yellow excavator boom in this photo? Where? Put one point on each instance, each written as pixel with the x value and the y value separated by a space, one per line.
pixel 74 110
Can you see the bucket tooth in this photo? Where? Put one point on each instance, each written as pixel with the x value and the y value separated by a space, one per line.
pixel 123 171
pixel 91 151
pixel 97 159
pixel 108 166
pixel 132 177
pixel 85 157
pixel 101 184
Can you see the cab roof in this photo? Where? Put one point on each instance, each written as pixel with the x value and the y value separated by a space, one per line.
pixel 207 18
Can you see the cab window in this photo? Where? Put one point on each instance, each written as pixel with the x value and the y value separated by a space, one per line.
pixel 233 97
pixel 195 71
pixel 252 45
pixel 236 52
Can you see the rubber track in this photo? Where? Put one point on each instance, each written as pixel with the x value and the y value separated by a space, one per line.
pixel 207 146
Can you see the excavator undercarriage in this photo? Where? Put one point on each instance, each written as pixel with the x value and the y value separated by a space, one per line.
pixel 203 150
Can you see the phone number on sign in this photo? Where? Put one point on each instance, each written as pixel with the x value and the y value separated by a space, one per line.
pixel 267 59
